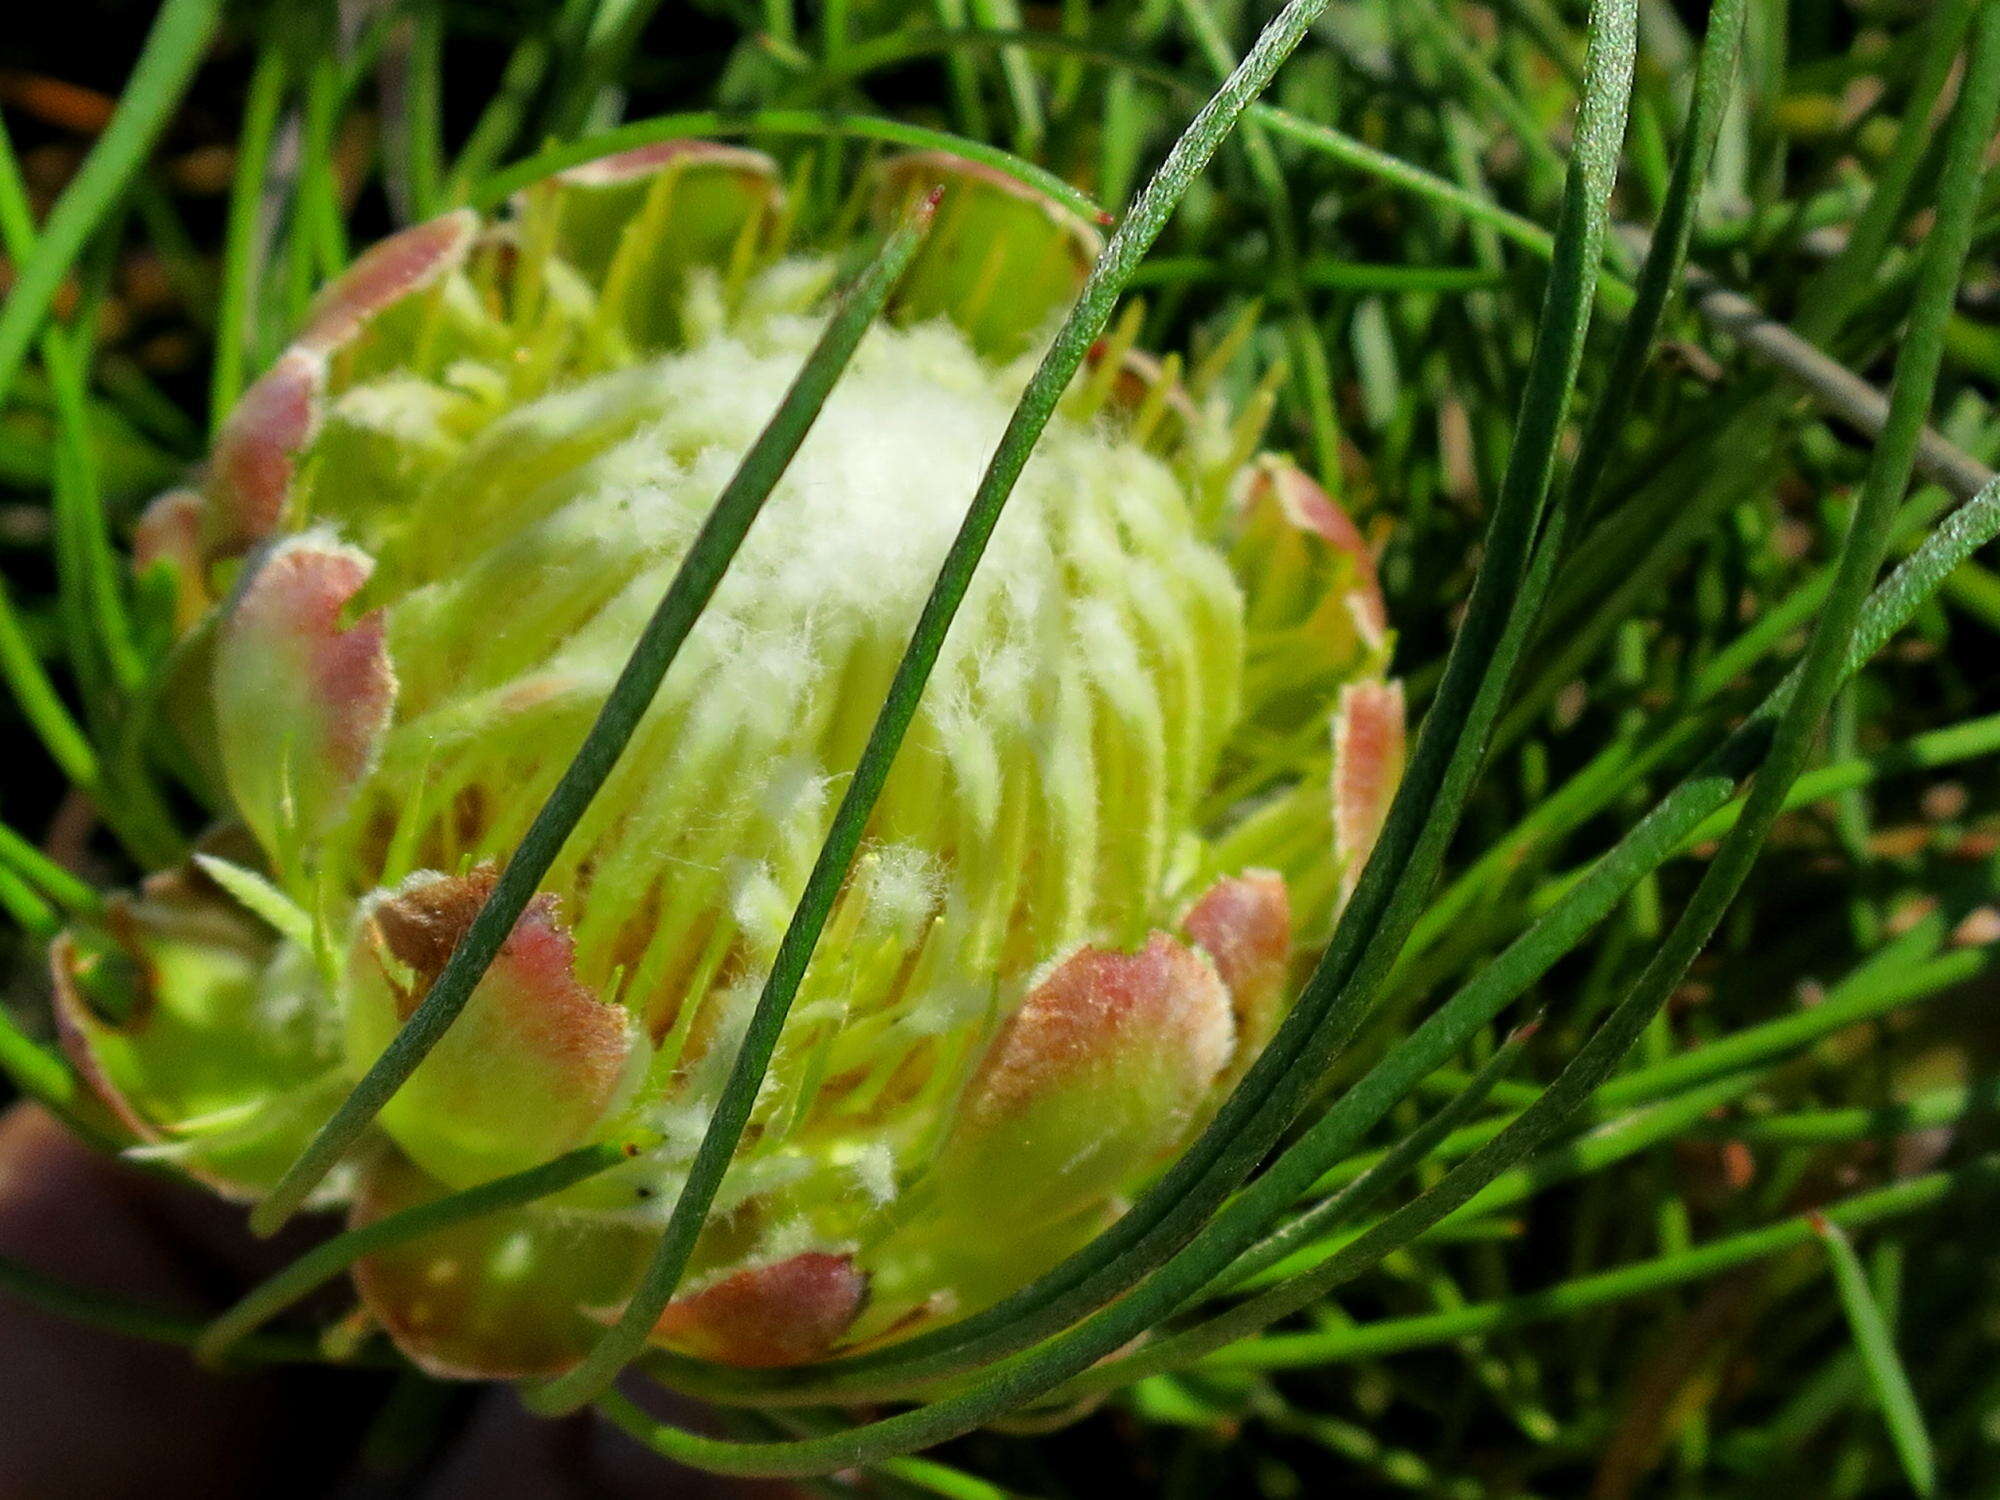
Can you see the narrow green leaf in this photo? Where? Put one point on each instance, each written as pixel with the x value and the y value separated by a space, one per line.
pixel 73 895
pixel 328 1259
pixel 261 899
pixel 174 48
pixel 1581 1294
pixel 1877 1346
pixel 1820 673
pixel 246 198
pixel 115 1314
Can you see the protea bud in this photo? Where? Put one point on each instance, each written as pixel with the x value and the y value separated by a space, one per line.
pixel 1147 768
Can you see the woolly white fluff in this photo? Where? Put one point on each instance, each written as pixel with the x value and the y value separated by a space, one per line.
pixel 905 886
pixel 856 529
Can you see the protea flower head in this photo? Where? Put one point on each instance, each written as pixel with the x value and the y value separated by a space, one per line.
pixel 1147 768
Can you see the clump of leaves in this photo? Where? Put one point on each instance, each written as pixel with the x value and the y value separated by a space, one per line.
pixel 1416 1237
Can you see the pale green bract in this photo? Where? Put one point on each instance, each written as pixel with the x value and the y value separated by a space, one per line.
pixel 1152 756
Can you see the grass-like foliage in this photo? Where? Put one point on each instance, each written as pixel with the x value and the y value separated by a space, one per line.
pixel 1630 1133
